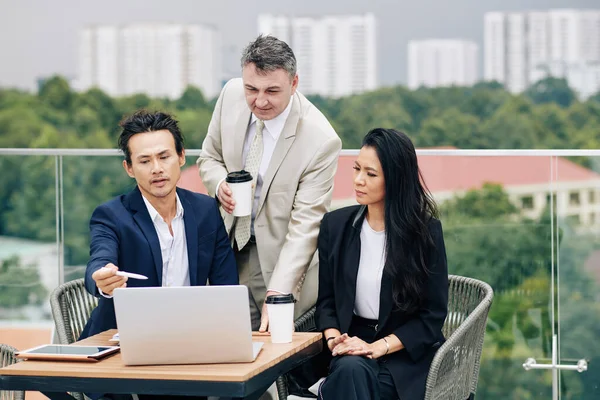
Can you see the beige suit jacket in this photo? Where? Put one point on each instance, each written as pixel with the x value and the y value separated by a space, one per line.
pixel 296 191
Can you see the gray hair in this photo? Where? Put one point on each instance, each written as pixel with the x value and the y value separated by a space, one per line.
pixel 268 53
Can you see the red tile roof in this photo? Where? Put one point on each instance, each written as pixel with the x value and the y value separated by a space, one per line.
pixel 451 173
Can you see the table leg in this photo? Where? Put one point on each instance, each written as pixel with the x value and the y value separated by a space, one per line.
pixel 254 396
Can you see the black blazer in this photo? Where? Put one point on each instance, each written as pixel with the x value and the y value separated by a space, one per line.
pixel 420 332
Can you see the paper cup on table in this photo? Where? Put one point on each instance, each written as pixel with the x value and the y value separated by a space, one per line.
pixel 240 183
pixel 281 317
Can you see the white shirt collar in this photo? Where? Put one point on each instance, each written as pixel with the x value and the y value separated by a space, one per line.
pixel 275 126
pixel 154 214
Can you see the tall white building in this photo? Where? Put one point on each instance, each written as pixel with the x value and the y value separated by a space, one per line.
pixel 442 62
pixel 336 55
pixel 160 60
pixel 520 48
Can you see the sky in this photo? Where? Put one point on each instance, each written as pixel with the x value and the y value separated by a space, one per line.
pixel 39 38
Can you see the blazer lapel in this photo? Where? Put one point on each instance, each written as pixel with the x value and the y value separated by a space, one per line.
pixel 142 218
pixel 352 259
pixel 191 237
pixel 385 301
pixel 285 141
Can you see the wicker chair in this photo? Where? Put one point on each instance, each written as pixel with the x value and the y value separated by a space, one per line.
pixel 71 308
pixel 7 357
pixel 454 372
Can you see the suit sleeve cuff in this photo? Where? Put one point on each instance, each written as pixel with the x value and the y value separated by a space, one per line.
pixel 278 291
pixel 412 343
pixel 104 295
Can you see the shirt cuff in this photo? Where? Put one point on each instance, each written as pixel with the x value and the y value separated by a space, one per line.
pixel 217 191
pixel 104 295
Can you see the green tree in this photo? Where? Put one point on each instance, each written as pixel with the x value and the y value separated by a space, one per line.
pixel 21 284
pixel 103 105
pixel 511 126
pixel 595 98
pixel 191 99
pixel 552 90
pixel 19 126
pixel 485 100
pixel 451 128
pixel 555 127
pixel 194 126
pixel 490 202
pixel 56 93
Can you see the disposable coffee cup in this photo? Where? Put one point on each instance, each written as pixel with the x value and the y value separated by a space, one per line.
pixel 240 183
pixel 281 317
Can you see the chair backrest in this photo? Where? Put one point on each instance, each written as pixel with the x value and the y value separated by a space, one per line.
pixel 71 308
pixel 7 357
pixel 469 301
pixel 464 295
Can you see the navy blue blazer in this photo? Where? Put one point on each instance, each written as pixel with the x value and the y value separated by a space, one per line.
pixel 122 233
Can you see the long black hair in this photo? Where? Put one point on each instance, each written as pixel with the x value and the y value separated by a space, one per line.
pixel 408 210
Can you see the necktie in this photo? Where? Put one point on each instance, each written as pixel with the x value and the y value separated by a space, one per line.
pixel 253 159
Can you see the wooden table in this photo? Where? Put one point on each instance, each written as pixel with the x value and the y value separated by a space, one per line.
pixel 244 380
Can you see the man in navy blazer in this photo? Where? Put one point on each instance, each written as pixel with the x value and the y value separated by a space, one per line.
pixel 173 236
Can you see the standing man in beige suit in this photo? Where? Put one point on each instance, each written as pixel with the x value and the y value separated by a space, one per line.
pixel 261 122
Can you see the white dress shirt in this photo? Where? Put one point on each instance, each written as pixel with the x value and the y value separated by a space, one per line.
pixel 271 133
pixel 370 272
pixel 173 248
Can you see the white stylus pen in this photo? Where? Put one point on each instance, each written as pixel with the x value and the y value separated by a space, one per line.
pixel 131 275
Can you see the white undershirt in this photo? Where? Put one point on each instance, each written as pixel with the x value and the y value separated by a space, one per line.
pixel 173 248
pixel 370 271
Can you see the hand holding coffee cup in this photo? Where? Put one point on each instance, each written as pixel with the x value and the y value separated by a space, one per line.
pixel 281 317
pixel 225 197
pixel 240 185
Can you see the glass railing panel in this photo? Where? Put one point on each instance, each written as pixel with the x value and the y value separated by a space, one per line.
pixel 495 216
pixel 509 220
pixel 578 263
pixel 29 253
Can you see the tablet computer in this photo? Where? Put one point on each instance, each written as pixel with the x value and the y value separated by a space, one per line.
pixel 58 352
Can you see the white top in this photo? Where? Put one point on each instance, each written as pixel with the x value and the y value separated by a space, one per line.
pixel 370 271
pixel 173 249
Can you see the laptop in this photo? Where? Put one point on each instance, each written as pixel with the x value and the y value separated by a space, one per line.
pixel 185 325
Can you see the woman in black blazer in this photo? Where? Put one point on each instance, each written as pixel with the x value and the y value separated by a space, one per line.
pixel 383 279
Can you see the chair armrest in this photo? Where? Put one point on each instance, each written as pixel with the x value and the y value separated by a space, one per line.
pixel 452 371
